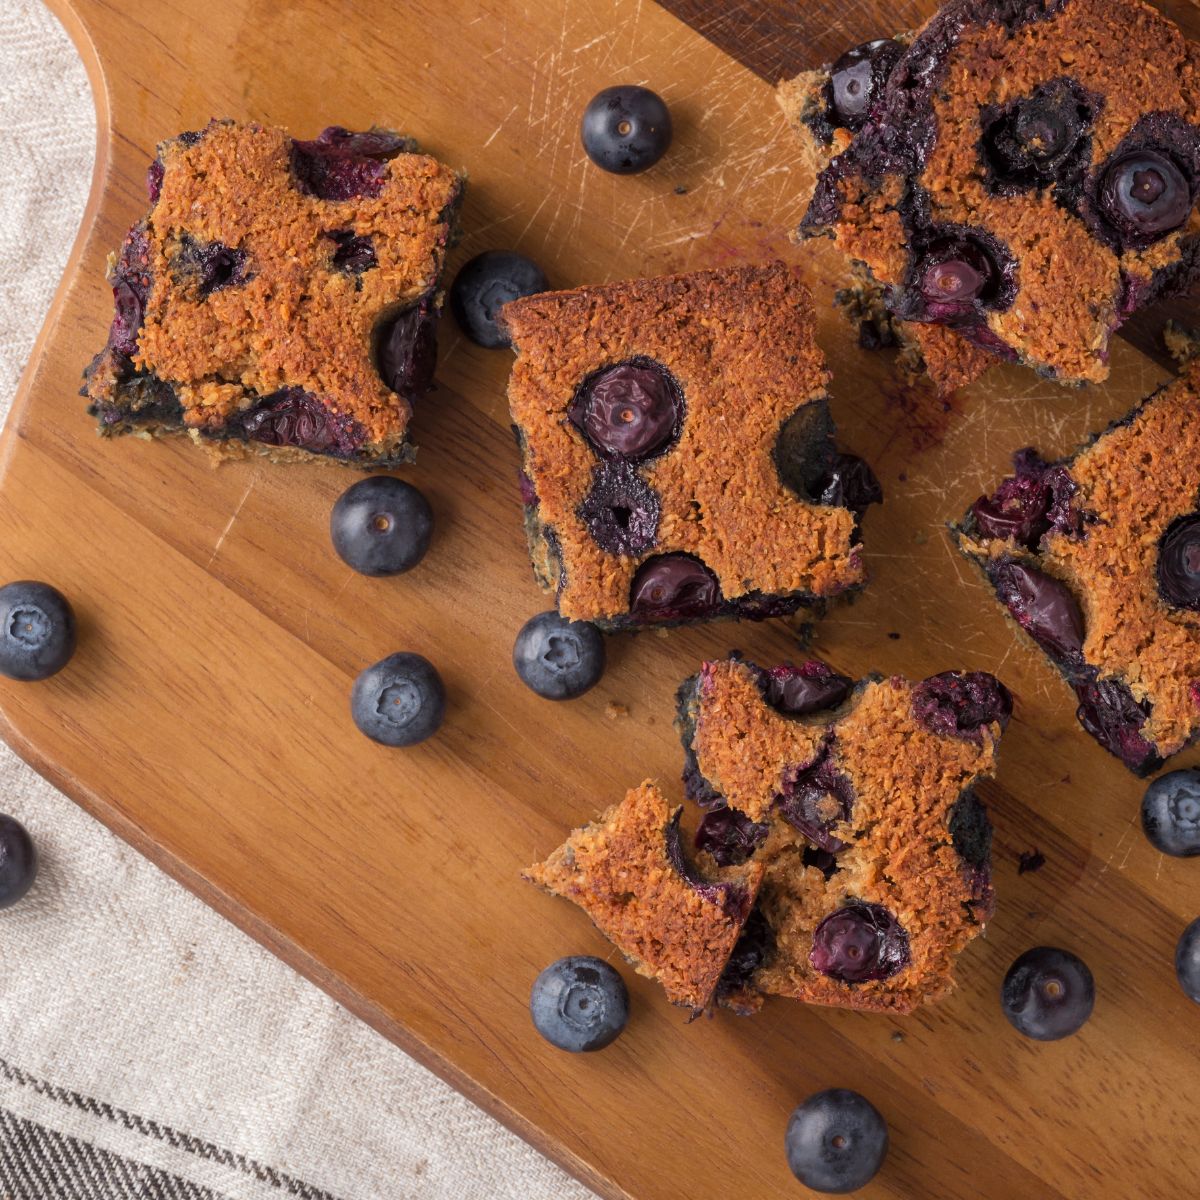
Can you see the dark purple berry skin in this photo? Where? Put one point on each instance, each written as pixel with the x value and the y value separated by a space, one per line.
pixel 18 861
pixel 131 284
pixel 857 79
pixel 1039 140
pixel 858 943
pixel 1144 195
pixel 381 526
pixel 213 265
pixel 836 1142
pixel 848 482
pixel 625 129
pixel 341 165
pixel 962 704
pixel 1109 712
pixel 37 631
pixel 807 688
pixel 484 285
pixel 1178 567
pixel 621 510
pixel 631 410
pixel 406 350
pixel 953 275
pixel 558 659
pixel 815 798
pixel 1029 504
pixel 754 947
pixel 1187 961
pixel 730 836
pixel 579 1004
pixel 1171 813
pixel 353 253
pixel 1042 606
pixel 673 587
pixel 732 896
pixel 294 417
pixel 399 701
pixel 1048 994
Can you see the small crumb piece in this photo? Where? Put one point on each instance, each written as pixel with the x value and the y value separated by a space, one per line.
pixel 1031 860
pixel 894 636
pixel 680 190
pixel 897 1036
pixel 613 710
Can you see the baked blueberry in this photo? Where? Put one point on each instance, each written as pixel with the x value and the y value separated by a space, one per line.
pixel 673 587
pixel 1029 504
pixel 1048 993
pixel 1109 711
pixel 37 630
pixel 847 481
pixel 1144 195
pixel 340 164
pixel 860 942
pixel 836 1141
pixel 406 350
pixel 621 510
pixel 1042 606
pixel 1187 961
pixel 625 129
pixel 484 285
pixel 18 861
pixel 630 410
pixel 857 79
pixel 579 1003
pixel 730 836
pixel 808 688
pixel 399 701
pixel 815 798
pixel 558 659
pixel 962 703
pixel 1179 563
pixel 213 265
pixel 1171 813
pixel 1039 139
pixel 381 526
pixel 352 253
pixel 954 274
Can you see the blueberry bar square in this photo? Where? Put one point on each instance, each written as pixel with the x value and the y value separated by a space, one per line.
pixel 857 802
pixel 1097 558
pixel 279 296
pixel 678 461
pixel 1022 173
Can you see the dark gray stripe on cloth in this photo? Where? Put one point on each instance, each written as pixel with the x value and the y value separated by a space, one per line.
pixel 162 1133
pixel 37 1163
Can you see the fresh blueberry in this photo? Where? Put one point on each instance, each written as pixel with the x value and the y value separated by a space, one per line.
pixel 962 703
pixel 18 861
pixel 836 1142
pixel 673 587
pixel 399 701
pixel 1171 813
pixel 1179 563
pixel 857 80
pixel 1048 993
pixel 860 942
pixel 1042 605
pixel 484 286
pixel 629 410
pixel 579 1003
pixel 558 659
pixel 381 526
pixel 1145 196
pixel 626 129
pixel 37 630
pixel 1187 961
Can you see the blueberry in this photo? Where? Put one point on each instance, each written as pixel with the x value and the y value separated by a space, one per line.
pixel 18 861
pixel 730 836
pixel 1187 961
pixel 860 942
pixel 1111 714
pixel 1048 993
pixel 836 1141
pixel 579 1003
pixel 815 798
pixel 674 587
pixel 484 286
pixel 847 481
pixel 857 80
pixel 953 274
pixel 341 165
pixel 353 253
pixel 1039 139
pixel 625 129
pixel 213 265
pixel 962 703
pixel 1042 606
pixel 37 630
pixel 1179 563
pixel 399 701
pixel 558 659
pixel 630 410
pixel 621 510
pixel 1171 813
pixel 294 417
pixel 808 688
pixel 406 349
pixel 1145 196
pixel 381 526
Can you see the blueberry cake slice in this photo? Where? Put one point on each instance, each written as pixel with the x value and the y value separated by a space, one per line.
pixel 1023 173
pixel 280 296
pixel 678 454
pixel 1097 558
pixel 628 872
pixel 857 802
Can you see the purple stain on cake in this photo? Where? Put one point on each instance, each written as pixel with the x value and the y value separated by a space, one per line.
pixel 809 687
pixel 529 496
pixel 1037 499
pixel 406 349
pixel 962 704
pixel 815 797
pixel 860 943
pixel 674 587
pixel 621 510
pixel 131 284
pixel 1178 567
pixel 341 165
pixel 353 253
pixel 154 180
pixel 730 836
pixel 213 265
pixel 631 410
pixel 1042 605
pixel 734 898
pixel 1111 714
pixel 294 417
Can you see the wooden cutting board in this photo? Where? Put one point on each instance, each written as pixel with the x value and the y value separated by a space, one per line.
pixel 205 717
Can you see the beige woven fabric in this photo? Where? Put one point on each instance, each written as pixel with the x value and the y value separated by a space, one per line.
pixel 118 989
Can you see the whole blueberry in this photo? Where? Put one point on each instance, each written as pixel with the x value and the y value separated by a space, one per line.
pixel 1145 196
pixel 673 587
pixel 1179 563
pixel 836 1141
pixel 629 410
pixel 625 129
pixel 953 274
pixel 399 701
pixel 484 286
pixel 558 659
pixel 1048 993
pixel 860 942
pixel 18 861
pixel 381 526
pixel 579 1003
pixel 1171 813
pixel 857 80
pixel 37 630
pixel 1187 961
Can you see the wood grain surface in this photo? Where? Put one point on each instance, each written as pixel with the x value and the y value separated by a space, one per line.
pixel 205 717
